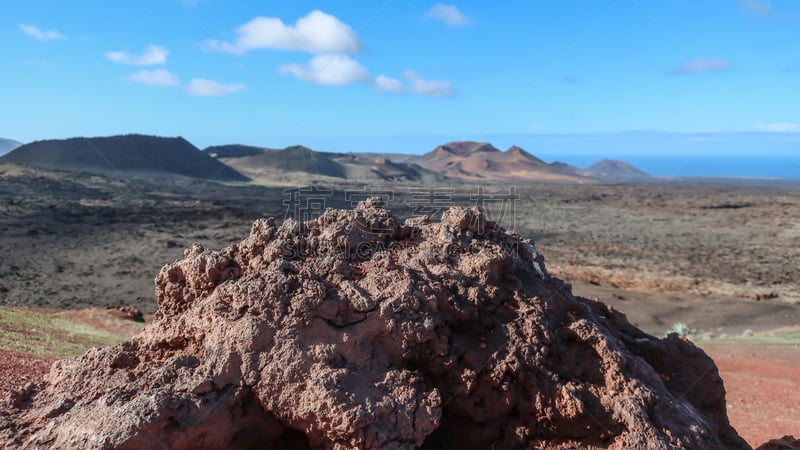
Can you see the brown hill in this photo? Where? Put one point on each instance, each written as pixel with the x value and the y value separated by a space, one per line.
pixel 482 162
pixel 359 330
pixel 131 154
pixel 567 168
pixel 611 169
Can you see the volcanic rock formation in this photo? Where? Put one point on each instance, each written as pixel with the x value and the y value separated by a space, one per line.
pixel 357 330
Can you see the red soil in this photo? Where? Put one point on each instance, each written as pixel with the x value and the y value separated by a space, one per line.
pixel 763 389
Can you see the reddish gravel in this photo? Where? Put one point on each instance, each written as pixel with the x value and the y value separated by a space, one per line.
pixel 17 369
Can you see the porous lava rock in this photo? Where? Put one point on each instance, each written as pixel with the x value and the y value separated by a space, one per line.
pixel 784 443
pixel 359 330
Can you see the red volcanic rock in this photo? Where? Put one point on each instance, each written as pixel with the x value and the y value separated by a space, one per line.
pixel 357 330
pixel 784 443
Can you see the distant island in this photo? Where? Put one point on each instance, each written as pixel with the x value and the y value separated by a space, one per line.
pixel 6 145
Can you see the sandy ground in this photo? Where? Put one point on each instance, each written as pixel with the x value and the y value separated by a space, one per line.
pixel 717 316
pixel 96 241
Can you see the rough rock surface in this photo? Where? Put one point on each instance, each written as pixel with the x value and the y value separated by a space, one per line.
pixel 357 330
pixel 784 443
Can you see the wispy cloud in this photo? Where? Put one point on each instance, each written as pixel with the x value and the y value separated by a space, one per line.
pixel 448 14
pixel 328 69
pixel 317 32
pixel 152 55
pixel 158 77
pixel 791 68
pixel 708 138
pixel 785 127
pixel 413 83
pixel 701 65
pixel 386 84
pixel 202 87
pixel 761 8
pixel 569 79
pixel 41 35
pixel 40 63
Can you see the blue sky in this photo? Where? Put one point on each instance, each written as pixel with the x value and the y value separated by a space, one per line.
pixel 406 75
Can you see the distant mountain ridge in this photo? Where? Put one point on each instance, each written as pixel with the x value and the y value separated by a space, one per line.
pixel 462 149
pixel 458 161
pixel 465 161
pixel 232 151
pixel 266 163
pixel 296 158
pixel 483 162
pixel 126 154
pixel 6 145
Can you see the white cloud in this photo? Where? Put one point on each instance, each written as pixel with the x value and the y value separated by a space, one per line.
pixel 158 77
pixel 701 65
pixel 432 88
pixel 42 35
pixel 785 127
pixel 154 54
pixel 448 14
pixel 202 87
pixel 328 69
pixel 317 32
pixel 414 84
pixel 758 7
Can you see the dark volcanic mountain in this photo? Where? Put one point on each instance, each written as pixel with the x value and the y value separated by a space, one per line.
pixel 232 151
pixel 610 169
pixel 6 145
pixel 297 158
pixel 129 154
pixel 482 162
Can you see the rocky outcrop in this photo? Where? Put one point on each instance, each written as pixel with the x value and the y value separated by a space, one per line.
pixel 358 330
